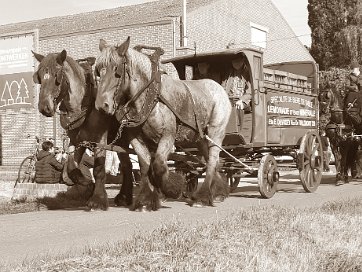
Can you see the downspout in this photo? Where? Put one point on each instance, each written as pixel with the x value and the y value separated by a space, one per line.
pixel 184 24
pixel 173 22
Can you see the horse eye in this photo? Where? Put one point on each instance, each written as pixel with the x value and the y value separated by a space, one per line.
pixel 116 72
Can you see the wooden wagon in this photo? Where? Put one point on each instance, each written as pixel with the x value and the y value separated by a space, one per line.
pixel 282 120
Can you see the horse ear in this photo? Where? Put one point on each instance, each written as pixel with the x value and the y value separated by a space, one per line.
pixel 122 49
pixel 102 44
pixel 38 57
pixel 91 60
pixel 61 57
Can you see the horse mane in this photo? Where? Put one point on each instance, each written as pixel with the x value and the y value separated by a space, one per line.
pixel 49 62
pixel 110 56
pixel 77 69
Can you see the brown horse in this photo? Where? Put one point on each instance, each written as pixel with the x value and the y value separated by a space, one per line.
pixel 159 110
pixel 339 130
pixel 63 80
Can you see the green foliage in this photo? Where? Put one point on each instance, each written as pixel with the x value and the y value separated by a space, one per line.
pixel 334 77
pixel 336 34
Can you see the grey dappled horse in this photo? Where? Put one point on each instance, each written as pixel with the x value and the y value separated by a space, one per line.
pixel 125 75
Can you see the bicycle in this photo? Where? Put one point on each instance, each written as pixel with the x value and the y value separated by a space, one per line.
pixel 26 172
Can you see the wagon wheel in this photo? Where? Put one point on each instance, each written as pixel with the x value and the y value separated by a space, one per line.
pixel 268 176
pixel 310 161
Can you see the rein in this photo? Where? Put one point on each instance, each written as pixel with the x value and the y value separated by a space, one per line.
pixel 153 88
pixel 75 120
pixel 153 96
pixel 342 130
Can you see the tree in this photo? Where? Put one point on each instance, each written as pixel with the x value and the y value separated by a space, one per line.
pixel 336 34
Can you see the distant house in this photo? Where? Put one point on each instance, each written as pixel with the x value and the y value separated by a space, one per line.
pixel 210 25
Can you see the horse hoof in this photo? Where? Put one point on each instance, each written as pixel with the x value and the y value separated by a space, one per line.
pixel 198 205
pixel 98 203
pixel 219 199
pixel 121 201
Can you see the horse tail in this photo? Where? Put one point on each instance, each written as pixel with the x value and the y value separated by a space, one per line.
pixel 220 113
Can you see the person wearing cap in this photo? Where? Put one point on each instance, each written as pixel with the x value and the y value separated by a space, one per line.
pixel 238 88
pixel 353 101
pixel 203 70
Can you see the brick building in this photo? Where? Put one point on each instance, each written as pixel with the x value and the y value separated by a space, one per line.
pixel 211 25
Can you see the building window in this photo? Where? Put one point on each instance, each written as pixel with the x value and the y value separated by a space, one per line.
pixel 259 35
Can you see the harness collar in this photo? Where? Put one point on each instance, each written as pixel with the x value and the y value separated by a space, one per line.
pixel 152 88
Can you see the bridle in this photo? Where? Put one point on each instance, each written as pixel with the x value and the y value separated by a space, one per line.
pixel 342 130
pixel 152 89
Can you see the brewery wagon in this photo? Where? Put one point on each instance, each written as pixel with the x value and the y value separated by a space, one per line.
pixel 282 120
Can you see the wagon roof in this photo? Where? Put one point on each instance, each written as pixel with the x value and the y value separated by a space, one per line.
pixel 208 56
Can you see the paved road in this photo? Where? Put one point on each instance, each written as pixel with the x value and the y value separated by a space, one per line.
pixel 52 232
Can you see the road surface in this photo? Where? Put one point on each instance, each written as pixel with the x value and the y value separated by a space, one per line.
pixel 28 235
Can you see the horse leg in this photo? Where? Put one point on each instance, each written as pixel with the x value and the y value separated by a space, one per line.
pixel 353 159
pixel 125 196
pixel 148 197
pixel 337 161
pixel 170 188
pixel 99 199
pixel 213 185
pixel 344 166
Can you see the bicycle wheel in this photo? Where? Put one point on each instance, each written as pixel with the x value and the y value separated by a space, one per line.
pixel 26 171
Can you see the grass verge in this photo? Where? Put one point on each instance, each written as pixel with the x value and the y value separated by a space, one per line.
pixel 76 197
pixel 255 239
pixel 22 205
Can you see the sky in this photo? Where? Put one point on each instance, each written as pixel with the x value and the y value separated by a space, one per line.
pixel 13 11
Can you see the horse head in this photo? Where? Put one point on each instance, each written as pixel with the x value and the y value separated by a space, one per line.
pixel 331 104
pixel 50 76
pixel 63 80
pixel 122 72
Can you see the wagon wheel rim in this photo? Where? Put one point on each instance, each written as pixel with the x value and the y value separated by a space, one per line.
pixel 268 176
pixel 311 162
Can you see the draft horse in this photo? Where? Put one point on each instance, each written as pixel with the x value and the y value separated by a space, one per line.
pixel 160 112
pixel 339 130
pixel 70 85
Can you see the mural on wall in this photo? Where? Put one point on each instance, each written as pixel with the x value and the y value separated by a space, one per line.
pixel 16 70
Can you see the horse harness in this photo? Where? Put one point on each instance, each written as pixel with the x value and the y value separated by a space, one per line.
pixel 153 96
pixel 73 121
pixel 343 130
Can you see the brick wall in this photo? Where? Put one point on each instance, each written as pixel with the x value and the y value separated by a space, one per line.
pixel 214 26
pixel 17 125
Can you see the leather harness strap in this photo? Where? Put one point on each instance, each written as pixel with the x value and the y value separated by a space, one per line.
pixel 153 96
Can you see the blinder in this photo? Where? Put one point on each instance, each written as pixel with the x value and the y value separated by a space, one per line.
pixel 59 77
pixel 120 70
pixel 36 78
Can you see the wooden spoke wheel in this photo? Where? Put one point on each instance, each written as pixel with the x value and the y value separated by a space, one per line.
pixel 310 161
pixel 268 176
